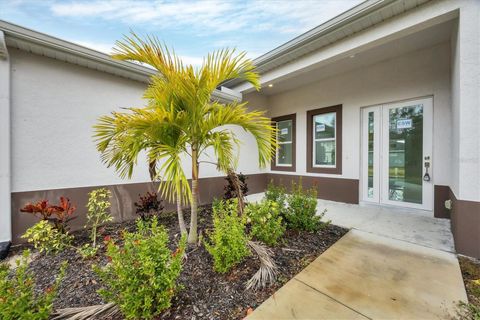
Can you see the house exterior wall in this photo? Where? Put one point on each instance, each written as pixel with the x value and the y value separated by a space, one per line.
pixel 465 88
pixel 417 74
pixel 54 106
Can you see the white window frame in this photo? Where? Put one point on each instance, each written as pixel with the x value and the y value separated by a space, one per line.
pixel 284 142
pixel 315 140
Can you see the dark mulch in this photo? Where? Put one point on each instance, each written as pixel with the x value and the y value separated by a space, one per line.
pixel 205 294
pixel 471 272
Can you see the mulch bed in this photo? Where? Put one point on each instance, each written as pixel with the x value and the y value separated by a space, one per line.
pixel 204 294
pixel 471 272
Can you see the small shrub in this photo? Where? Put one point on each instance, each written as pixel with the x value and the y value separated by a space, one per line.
pixel 141 275
pixel 278 195
pixel 87 251
pixel 228 240
pixel 18 299
pixel 265 220
pixel 47 238
pixel 230 190
pixel 59 214
pixel 301 211
pixel 149 205
pixel 97 212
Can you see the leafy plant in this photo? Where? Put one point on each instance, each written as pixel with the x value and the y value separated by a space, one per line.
pixel 149 205
pixel 47 238
pixel 230 189
pixel 97 212
pixel 59 214
pixel 228 240
pixel 467 311
pixel 265 220
pixel 18 299
pixel 87 251
pixel 301 212
pixel 277 194
pixel 182 119
pixel 141 275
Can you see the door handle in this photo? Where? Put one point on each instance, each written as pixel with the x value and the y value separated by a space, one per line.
pixel 426 163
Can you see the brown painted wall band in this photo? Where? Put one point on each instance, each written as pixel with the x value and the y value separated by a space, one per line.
pixel 465 215
pixel 123 198
pixel 465 221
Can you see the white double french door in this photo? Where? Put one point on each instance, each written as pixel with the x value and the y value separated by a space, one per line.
pixel 397 154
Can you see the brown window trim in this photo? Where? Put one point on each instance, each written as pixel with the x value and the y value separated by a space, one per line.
pixel 274 166
pixel 338 140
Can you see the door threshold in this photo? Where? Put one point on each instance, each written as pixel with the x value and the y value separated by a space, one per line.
pixel 399 209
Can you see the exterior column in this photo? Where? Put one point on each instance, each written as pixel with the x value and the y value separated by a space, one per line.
pixel 465 214
pixel 5 167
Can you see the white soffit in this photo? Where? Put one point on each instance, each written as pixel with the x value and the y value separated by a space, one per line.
pixel 359 18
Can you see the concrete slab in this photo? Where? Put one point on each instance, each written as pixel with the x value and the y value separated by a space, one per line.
pixel 371 276
pixel 414 226
pixel 296 300
pixel 386 278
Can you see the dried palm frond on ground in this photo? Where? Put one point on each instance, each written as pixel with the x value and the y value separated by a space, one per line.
pixel 268 269
pixel 101 311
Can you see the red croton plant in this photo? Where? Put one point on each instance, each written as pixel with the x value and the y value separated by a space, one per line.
pixel 59 214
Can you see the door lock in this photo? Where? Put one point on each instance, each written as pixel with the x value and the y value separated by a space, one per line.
pixel 426 176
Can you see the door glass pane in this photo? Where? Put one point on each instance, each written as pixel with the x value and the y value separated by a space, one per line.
pixel 405 154
pixel 325 153
pixel 284 156
pixel 284 130
pixel 324 125
pixel 371 135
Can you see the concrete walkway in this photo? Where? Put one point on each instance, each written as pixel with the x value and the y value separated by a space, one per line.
pixel 366 276
pixel 392 264
pixel 414 226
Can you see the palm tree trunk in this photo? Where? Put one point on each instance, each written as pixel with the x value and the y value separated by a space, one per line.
pixel 181 221
pixel 192 235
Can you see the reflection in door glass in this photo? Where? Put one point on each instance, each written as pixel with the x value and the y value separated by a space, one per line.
pixel 405 154
pixel 371 135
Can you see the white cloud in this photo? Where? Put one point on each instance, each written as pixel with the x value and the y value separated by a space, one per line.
pixel 102 47
pixel 211 16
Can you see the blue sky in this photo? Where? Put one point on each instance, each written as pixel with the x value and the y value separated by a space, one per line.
pixel 192 28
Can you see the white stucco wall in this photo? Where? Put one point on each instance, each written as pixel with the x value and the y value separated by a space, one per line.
pixel 417 74
pixel 466 102
pixel 54 105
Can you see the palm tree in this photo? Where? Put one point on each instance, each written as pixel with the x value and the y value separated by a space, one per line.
pixel 181 119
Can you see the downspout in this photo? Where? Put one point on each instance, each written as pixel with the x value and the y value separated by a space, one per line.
pixel 5 150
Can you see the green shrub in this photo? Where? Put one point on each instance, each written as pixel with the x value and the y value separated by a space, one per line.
pixel 276 194
pixel 46 238
pixel 97 212
pixel 87 251
pixel 228 240
pixel 141 275
pixel 301 212
pixel 265 220
pixel 18 299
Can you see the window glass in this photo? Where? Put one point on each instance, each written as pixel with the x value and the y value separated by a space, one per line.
pixel 324 125
pixel 325 153
pixel 284 131
pixel 284 156
pixel 324 139
pixel 285 143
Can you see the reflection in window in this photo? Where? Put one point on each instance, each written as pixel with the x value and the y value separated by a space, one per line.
pixel 285 143
pixel 324 144
pixel 371 136
pixel 405 154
